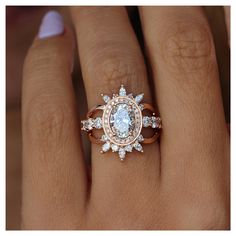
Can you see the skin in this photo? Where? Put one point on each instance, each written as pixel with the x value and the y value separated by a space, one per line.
pixel 181 182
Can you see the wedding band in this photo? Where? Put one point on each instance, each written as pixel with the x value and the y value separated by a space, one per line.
pixel 122 122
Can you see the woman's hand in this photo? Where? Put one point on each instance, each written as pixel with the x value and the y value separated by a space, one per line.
pixel 181 182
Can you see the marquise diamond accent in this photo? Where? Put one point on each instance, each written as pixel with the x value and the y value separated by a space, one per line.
pixel 128 148
pixel 122 91
pixel 122 154
pixel 139 98
pixel 138 147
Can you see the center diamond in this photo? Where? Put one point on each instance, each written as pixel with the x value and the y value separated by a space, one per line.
pixel 122 119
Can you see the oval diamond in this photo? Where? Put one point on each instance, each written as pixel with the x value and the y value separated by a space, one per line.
pixel 122 120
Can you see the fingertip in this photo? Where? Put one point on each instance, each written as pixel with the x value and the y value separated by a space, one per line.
pixel 52 24
pixel 51 52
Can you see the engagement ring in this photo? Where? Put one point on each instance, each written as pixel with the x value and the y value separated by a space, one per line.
pixel 122 121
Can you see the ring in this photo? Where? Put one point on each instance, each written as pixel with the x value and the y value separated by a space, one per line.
pixel 122 121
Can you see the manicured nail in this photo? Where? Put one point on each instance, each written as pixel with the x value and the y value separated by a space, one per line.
pixel 51 25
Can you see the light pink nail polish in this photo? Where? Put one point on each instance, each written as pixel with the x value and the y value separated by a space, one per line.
pixel 51 25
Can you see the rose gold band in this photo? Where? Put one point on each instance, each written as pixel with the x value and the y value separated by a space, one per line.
pixel 94 110
pixel 149 107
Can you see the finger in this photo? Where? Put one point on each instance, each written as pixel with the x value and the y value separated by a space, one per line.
pixel 227 20
pixel 54 178
pixel 110 56
pixel 181 51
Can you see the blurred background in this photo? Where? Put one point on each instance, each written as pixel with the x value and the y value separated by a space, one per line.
pixel 21 27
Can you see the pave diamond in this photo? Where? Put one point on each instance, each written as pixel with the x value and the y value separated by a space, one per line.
pixel 104 138
pixel 154 122
pixel 140 138
pixel 146 121
pixel 141 106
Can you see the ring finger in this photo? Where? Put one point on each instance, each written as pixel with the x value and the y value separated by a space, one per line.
pixel 110 56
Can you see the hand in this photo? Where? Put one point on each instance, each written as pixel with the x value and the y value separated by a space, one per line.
pixel 181 182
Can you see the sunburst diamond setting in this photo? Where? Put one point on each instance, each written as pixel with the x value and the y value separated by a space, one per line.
pixel 122 122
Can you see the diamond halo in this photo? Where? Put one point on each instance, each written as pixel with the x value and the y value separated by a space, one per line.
pixel 122 122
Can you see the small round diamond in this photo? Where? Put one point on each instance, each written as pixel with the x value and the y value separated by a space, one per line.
pixel 114 147
pixel 98 123
pixel 106 147
pixel 146 121
pixel 104 138
pixel 106 98
pixel 87 124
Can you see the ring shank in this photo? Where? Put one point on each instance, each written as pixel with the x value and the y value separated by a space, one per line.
pixel 149 107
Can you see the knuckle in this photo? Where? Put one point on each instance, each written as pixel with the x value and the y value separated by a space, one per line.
pixel 46 121
pixel 39 58
pixel 36 55
pixel 116 71
pixel 94 11
pixel 209 208
pixel 114 68
pixel 188 47
pixel 211 216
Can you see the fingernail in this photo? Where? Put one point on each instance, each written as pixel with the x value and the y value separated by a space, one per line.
pixel 51 25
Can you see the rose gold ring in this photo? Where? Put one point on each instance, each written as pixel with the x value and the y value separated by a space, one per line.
pixel 122 122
